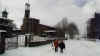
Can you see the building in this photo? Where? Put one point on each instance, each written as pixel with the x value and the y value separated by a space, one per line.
pixel 29 24
pixel 97 20
pixel 92 26
pixel 5 30
pixel 32 25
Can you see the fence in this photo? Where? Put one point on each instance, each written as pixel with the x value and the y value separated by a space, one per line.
pixel 11 43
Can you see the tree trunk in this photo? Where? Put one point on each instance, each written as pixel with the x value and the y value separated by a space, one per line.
pixel 71 36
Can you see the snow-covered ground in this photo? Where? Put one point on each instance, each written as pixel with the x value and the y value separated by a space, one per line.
pixel 73 48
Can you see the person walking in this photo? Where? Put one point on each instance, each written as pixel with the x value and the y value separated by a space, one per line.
pixel 56 45
pixel 61 45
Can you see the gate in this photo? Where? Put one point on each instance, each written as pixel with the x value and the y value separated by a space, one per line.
pixel 11 43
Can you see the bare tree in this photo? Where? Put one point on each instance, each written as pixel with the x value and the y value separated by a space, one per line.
pixel 72 30
pixel 63 27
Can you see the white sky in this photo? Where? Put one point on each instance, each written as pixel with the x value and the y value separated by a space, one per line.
pixel 50 12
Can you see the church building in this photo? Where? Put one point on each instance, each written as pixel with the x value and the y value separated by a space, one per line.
pixel 32 25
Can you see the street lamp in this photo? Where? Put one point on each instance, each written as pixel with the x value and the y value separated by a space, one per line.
pixel 27 36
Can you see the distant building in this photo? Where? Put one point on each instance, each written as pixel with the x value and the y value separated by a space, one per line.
pixel 32 25
pixel 97 20
pixel 92 26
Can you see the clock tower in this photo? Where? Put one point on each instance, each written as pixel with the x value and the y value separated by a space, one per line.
pixel 27 10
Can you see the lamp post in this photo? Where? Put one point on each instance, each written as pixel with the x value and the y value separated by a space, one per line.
pixel 27 36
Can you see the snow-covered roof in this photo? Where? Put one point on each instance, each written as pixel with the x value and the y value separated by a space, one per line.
pixel 2 30
pixel 50 31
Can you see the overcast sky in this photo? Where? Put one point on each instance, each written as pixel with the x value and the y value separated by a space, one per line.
pixel 50 12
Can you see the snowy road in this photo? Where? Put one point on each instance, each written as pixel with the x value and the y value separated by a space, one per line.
pixel 73 48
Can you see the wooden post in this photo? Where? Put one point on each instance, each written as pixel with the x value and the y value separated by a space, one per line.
pixel 25 41
pixel 17 40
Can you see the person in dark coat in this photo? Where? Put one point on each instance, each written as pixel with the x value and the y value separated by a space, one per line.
pixel 61 46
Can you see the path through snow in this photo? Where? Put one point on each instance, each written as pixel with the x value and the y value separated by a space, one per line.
pixel 73 48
